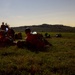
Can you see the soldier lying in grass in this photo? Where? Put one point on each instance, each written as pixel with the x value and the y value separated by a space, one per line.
pixel 33 41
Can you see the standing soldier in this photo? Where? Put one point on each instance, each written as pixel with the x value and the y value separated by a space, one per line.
pixel 3 26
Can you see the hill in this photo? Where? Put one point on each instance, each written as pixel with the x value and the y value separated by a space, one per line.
pixel 46 28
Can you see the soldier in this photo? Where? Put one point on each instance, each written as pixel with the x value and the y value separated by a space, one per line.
pixel 33 41
pixel 3 26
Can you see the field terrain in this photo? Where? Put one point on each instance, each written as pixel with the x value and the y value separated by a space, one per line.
pixel 58 59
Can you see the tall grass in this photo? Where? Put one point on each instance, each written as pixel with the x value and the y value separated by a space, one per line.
pixel 58 59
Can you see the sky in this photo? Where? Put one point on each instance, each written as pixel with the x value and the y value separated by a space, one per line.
pixel 34 12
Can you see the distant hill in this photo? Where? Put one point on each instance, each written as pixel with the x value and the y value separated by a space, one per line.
pixel 46 28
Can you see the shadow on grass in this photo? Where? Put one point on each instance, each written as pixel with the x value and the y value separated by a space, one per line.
pixel 37 50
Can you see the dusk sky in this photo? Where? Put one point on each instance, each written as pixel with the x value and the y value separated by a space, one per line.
pixel 35 12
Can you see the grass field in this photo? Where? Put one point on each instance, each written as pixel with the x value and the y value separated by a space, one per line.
pixel 58 59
